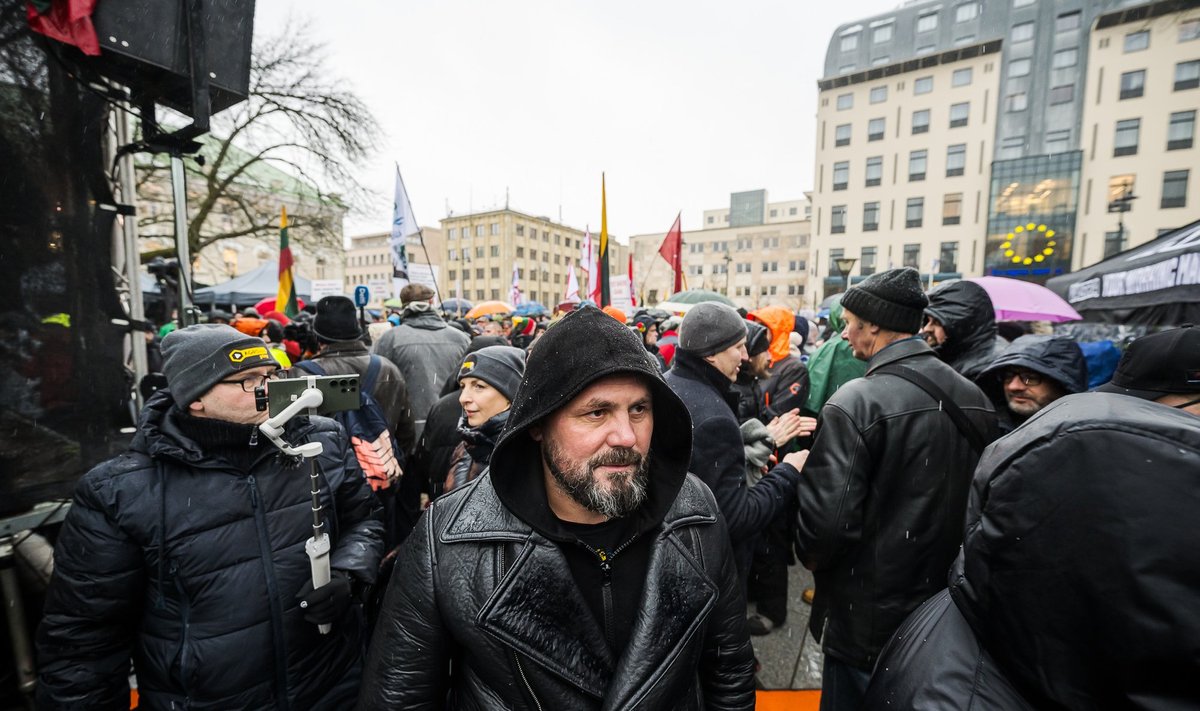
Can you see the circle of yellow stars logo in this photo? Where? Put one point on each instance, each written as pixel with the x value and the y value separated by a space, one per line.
pixel 1029 231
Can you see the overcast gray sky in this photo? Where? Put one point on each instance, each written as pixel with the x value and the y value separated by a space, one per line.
pixel 680 102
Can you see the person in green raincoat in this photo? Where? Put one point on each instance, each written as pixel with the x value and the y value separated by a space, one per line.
pixel 832 366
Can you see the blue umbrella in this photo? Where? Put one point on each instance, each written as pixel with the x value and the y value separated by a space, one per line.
pixel 530 308
pixel 460 306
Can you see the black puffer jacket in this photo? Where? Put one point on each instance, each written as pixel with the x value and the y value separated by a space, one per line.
pixel 1079 575
pixel 490 615
pixel 882 499
pixel 719 460
pixel 965 311
pixel 191 566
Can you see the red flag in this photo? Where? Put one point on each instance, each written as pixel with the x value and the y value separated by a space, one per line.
pixel 672 250
pixel 632 288
pixel 68 21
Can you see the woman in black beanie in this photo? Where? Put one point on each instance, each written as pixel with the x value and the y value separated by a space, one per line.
pixel 489 378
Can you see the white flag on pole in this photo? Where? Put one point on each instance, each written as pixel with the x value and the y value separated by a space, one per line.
pixel 572 293
pixel 514 294
pixel 403 225
pixel 590 263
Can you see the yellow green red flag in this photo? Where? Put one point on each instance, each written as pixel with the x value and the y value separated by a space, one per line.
pixel 285 299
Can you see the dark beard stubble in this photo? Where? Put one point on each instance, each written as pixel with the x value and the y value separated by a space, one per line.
pixel 626 492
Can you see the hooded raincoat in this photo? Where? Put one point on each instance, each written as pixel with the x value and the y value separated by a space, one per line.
pixel 787 387
pixel 965 311
pixel 1077 583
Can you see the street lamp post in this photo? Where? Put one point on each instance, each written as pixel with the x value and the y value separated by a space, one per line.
pixel 728 260
pixel 1121 206
pixel 845 265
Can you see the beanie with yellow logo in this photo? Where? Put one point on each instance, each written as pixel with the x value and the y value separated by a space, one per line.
pixel 198 357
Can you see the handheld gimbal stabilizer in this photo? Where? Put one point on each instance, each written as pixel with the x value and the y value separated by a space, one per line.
pixel 309 395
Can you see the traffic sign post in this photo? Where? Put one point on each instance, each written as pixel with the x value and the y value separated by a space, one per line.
pixel 362 295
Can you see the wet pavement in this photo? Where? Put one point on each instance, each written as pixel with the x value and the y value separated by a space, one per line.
pixel 790 657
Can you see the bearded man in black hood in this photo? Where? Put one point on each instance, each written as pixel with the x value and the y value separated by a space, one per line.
pixel 585 569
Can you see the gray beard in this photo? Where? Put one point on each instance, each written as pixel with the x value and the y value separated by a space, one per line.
pixel 625 494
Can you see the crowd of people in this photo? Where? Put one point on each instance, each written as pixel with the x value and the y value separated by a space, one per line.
pixel 598 510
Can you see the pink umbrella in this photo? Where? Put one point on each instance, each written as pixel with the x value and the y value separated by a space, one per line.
pixel 1016 300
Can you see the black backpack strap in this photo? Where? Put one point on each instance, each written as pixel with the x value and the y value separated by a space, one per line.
pixel 967 428
pixel 368 381
pixel 311 367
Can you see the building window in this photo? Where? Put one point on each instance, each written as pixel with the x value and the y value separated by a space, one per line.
pixel 922 85
pixel 452 233
pixel 1189 30
pixel 883 33
pixel 520 251
pixel 1016 102
pixel 1022 32
pixel 1174 188
pixel 545 236
pixel 838 219
pixel 1064 94
pixel 849 42
pixel 495 228
pixel 710 219
pixel 878 94
pixel 880 61
pixel 952 210
pixel 920 121
pixel 1066 22
pixel 961 77
pixel 834 256
pixel 1187 75
pixel 479 252
pixel 841 175
pixel 494 250
pixel 956 159
pixel 742 268
pixel 695 248
pixel 874 171
pixel 453 274
pixel 866 261
pixel 870 216
pixel 914 212
pixel 479 273
pixel 770 266
pixel 495 272
pixel 1137 41
pixel 1023 3
pixel 927 22
pixel 1114 243
pixel 1120 187
pixel 478 230
pixel 1019 68
pixel 1065 58
pixel 948 257
pixel 875 128
pixel 1126 141
pixel 1180 130
pixel 791 211
pixel 845 101
pixel 1133 84
pixel 1056 141
pixel 841 137
pixel 966 12
pixel 958 114
pixel 917 161
pixel 912 256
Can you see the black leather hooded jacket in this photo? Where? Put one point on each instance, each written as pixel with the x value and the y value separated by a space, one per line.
pixel 487 614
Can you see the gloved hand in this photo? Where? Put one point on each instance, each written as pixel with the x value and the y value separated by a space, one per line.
pixel 327 603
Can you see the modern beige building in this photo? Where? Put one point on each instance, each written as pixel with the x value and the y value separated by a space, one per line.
pixel 369 263
pixel 1139 126
pixel 1038 118
pixel 902 165
pixel 755 252
pixel 482 248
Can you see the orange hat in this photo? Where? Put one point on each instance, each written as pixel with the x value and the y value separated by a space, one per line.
pixel 616 313
pixel 250 326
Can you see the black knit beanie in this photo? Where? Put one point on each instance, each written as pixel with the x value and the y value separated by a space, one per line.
pixel 498 366
pixel 709 328
pixel 893 300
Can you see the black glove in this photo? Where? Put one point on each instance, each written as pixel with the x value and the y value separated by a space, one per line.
pixel 327 603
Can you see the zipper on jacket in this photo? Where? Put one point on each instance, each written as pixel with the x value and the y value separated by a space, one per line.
pixel 606 560
pixel 521 671
pixel 264 549
pixel 185 614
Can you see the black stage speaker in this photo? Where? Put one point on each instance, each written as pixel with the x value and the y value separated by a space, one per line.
pixel 145 46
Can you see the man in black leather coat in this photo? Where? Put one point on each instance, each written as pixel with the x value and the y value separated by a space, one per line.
pixel 187 555
pixel 884 491
pixel 585 569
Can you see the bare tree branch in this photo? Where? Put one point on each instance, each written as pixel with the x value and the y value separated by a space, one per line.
pixel 299 121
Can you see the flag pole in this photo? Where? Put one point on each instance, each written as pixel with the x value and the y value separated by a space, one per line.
pixel 605 292
pixel 421 234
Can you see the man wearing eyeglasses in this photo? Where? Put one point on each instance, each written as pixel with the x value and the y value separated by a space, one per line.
pixel 1033 372
pixel 186 553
